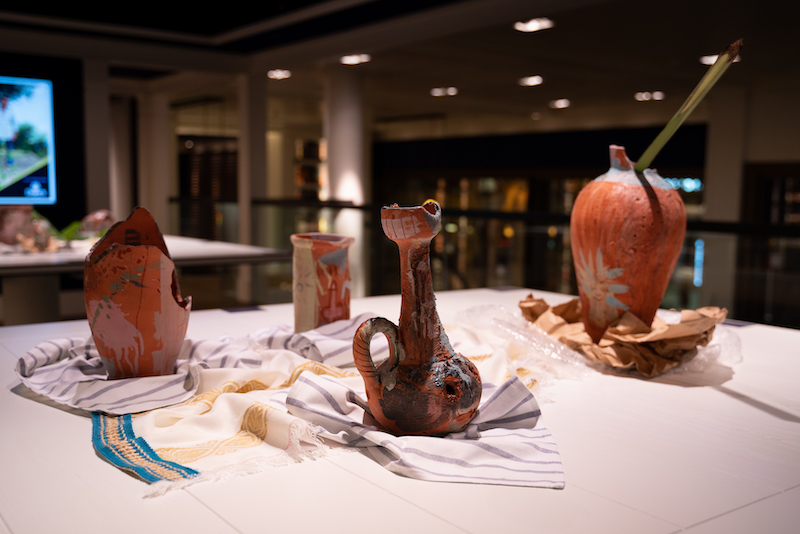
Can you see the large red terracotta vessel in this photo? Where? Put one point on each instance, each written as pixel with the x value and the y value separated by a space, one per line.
pixel 424 387
pixel 626 233
pixel 133 302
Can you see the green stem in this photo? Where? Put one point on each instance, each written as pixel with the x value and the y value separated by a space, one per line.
pixel 714 73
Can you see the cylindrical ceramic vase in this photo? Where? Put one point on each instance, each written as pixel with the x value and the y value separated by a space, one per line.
pixel 320 279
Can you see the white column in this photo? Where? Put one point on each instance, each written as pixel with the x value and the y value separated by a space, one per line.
pixel 96 106
pixel 156 158
pixel 725 145
pixel 722 195
pixel 252 165
pixel 121 157
pixel 344 131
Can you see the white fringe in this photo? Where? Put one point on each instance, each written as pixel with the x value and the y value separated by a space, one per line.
pixel 301 436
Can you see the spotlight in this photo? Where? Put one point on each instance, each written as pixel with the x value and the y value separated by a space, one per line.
pixel 279 74
pixel 355 59
pixel 444 91
pixel 533 25
pixel 530 81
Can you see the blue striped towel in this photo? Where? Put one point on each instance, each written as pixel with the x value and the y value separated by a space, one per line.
pixel 505 444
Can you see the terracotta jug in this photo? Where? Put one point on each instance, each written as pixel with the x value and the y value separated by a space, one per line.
pixel 626 233
pixel 133 302
pixel 424 387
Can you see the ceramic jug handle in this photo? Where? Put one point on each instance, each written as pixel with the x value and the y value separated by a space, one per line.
pixel 361 349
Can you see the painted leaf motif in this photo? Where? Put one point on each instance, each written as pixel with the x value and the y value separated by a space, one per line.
pixel 598 285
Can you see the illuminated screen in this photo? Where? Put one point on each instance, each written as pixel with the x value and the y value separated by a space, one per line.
pixel 27 144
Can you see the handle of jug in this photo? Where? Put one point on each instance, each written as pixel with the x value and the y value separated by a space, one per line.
pixel 361 350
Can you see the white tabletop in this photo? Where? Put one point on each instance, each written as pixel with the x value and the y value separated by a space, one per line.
pixel 715 453
pixel 184 251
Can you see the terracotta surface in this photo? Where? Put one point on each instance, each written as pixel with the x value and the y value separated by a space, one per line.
pixel 133 303
pixel 320 279
pixel 424 387
pixel 626 238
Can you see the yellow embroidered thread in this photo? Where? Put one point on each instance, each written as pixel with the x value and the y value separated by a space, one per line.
pixel 253 433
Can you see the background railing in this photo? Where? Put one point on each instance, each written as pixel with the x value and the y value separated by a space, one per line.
pixel 752 270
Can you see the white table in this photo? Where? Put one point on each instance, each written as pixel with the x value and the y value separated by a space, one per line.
pixel 657 456
pixel 30 281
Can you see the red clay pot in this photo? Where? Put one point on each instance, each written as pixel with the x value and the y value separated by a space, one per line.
pixel 133 301
pixel 424 387
pixel 626 236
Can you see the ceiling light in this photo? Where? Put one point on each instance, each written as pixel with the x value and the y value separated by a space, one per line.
pixel 644 96
pixel 355 59
pixel 536 115
pixel 444 91
pixel 533 25
pixel 279 74
pixel 530 81
pixel 561 103
pixel 710 60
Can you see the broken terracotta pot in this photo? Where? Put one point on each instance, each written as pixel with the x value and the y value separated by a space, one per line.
pixel 424 387
pixel 133 302
pixel 626 233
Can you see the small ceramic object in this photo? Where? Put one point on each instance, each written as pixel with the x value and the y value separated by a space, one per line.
pixel 626 236
pixel 133 302
pixel 320 279
pixel 424 387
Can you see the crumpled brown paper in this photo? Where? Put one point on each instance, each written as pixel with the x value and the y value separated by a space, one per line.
pixel 628 343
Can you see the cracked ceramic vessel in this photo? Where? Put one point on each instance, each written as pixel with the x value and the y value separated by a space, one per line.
pixel 626 236
pixel 424 387
pixel 133 302
pixel 320 279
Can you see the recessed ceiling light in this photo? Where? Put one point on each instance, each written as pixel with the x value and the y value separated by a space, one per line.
pixel 279 74
pixel 533 25
pixel 530 81
pixel 560 103
pixel 710 60
pixel 536 115
pixel 644 96
pixel 444 91
pixel 355 59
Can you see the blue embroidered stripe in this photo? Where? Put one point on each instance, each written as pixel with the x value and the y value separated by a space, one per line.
pixel 114 439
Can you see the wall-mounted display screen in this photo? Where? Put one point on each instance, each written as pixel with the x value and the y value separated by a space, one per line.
pixel 27 143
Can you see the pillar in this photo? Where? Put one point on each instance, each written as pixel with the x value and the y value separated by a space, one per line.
pixel 722 194
pixel 121 155
pixel 96 105
pixel 156 160
pixel 344 131
pixel 252 165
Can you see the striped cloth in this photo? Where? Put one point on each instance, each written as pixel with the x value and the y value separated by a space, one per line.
pixel 275 393
pixel 331 344
pixel 70 371
pixel 505 444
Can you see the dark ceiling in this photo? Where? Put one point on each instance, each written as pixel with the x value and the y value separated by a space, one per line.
pixel 295 21
pixel 598 55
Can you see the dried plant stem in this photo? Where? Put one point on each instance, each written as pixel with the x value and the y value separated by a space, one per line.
pixel 714 73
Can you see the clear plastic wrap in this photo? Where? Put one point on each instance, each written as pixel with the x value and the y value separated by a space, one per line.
pixel 518 348
pixel 527 351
